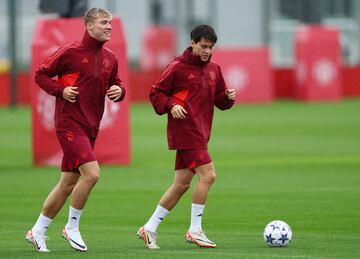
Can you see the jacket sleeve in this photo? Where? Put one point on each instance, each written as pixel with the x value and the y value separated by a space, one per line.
pixel 114 79
pixel 221 100
pixel 49 69
pixel 160 92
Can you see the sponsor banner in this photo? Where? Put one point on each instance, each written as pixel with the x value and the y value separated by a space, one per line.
pixel 248 71
pixel 113 143
pixel 318 60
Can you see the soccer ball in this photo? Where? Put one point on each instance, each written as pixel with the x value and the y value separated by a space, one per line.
pixel 277 233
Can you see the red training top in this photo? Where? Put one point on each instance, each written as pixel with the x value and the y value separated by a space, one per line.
pixel 197 86
pixel 90 67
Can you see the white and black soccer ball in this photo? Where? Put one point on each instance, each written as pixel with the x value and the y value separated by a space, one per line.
pixel 277 233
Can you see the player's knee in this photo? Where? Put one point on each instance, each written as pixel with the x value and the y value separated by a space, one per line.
pixel 212 178
pixel 67 187
pixel 92 177
pixel 182 187
pixel 209 178
pixel 70 187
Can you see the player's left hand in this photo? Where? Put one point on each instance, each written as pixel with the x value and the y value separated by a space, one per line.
pixel 114 92
pixel 231 94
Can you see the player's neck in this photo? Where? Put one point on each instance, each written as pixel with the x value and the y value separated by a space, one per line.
pixel 91 42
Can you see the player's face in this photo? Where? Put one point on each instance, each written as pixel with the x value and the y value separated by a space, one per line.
pixel 100 29
pixel 202 48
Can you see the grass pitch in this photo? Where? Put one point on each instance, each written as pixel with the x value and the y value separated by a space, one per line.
pixel 291 161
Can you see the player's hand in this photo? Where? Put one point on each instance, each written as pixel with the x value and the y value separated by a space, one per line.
pixel 231 94
pixel 70 93
pixel 114 92
pixel 178 112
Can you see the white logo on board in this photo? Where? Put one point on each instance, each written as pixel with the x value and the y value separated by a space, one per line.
pixel 110 114
pixel 324 71
pixel 237 77
pixel 45 107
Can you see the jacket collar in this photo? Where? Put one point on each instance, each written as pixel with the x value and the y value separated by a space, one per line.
pixel 91 42
pixel 190 58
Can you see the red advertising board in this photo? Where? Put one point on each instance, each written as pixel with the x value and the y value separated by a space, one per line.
pixel 4 89
pixel 318 59
pixel 351 81
pixel 113 143
pixel 158 47
pixel 248 71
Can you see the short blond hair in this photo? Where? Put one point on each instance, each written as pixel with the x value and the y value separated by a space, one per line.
pixel 94 13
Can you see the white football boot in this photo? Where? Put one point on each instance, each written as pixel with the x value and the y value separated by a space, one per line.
pixel 39 242
pixel 75 240
pixel 199 238
pixel 148 237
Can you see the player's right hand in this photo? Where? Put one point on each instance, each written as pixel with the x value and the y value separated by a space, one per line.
pixel 70 93
pixel 178 112
pixel 231 94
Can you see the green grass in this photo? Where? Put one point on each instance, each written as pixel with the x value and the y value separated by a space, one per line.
pixel 287 160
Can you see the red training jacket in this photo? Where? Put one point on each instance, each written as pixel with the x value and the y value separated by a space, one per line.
pixel 90 67
pixel 197 86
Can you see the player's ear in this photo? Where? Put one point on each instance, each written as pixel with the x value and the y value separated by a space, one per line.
pixel 88 26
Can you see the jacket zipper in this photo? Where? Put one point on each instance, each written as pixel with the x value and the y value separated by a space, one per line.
pixel 202 102
pixel 96 63
pixel 91 129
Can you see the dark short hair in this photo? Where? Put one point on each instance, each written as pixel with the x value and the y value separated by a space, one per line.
pixel 203 31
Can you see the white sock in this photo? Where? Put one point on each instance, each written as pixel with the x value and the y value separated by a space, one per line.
pixel 74 218
pixel 41 225
pixel 153 223
pixel 196 217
